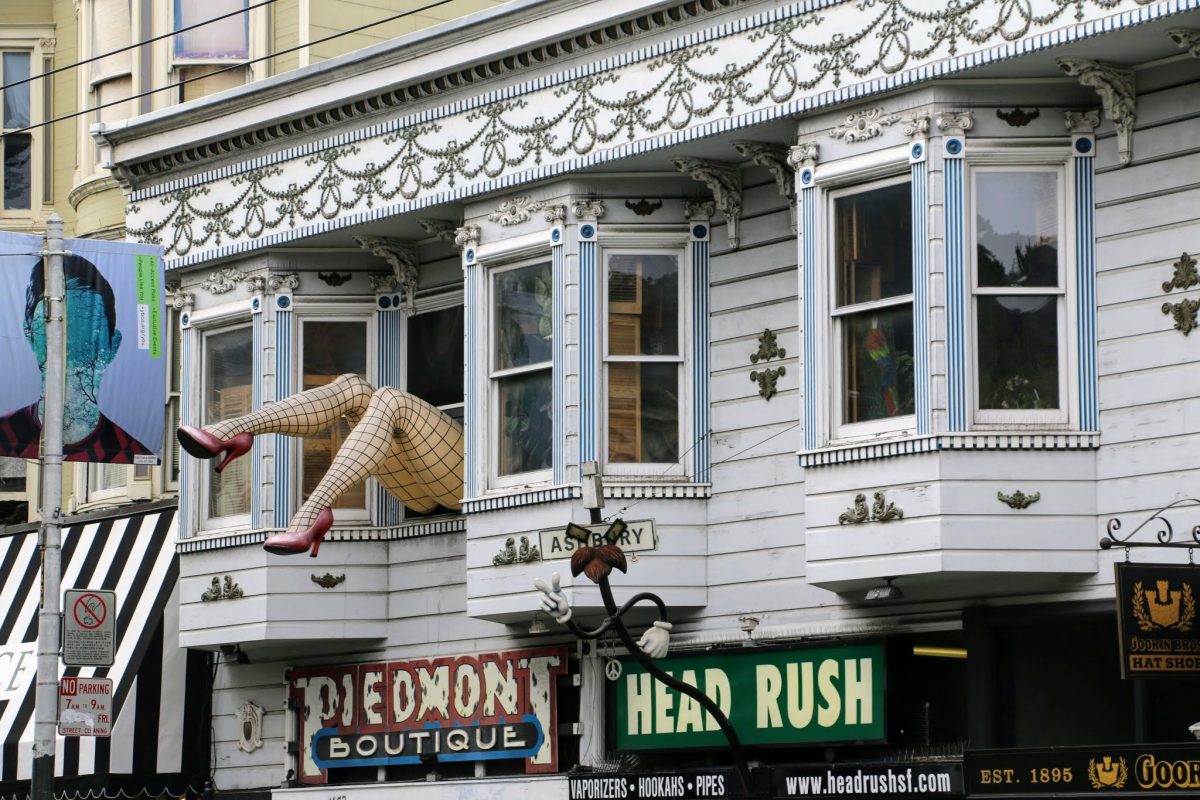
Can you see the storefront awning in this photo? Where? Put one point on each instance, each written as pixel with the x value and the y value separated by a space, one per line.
pixel 158 689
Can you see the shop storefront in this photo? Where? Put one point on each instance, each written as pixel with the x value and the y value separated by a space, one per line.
pixel 159 742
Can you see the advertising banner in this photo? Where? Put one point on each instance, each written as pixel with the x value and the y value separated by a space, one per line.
pixel 684 785
pixel 1152 769
pixel 1156 620
pixel 457 708
pixel 916 779
pixel 115 350
pixel 772 697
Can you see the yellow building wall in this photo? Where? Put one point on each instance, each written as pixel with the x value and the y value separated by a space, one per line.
pixel 328 18
pixel 285 34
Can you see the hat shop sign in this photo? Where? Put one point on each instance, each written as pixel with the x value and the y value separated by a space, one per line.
pixel 458 708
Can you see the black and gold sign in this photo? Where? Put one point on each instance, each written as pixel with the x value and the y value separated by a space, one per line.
pixel 1156 617
pixel 1097 771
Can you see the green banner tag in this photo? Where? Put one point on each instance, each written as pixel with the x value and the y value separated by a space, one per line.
pixel 810 695
pixel 149 297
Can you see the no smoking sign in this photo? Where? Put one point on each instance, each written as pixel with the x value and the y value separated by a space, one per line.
pixel 88 627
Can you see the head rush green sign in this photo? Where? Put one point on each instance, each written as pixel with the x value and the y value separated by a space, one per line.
pixel 811 695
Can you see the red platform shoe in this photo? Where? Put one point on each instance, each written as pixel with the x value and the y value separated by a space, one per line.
pixel 290 543
pixel 202 444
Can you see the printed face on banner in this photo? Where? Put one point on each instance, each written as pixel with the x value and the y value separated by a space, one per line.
pixel 459 708
pixel 110 287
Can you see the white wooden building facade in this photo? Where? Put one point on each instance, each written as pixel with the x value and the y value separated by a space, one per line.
pixel 754 259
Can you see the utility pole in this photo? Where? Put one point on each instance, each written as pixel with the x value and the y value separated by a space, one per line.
pixel 45 720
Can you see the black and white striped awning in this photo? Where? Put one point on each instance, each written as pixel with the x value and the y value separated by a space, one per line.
pixel 158 738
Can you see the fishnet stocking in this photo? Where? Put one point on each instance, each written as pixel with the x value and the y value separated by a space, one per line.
pixel 414 450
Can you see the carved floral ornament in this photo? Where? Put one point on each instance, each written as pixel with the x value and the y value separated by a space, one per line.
pixel 863 125
pixel 1183 313
pixel 1115 85
pixel 759 65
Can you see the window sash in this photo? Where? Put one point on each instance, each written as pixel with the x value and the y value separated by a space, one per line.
pixel 839 316
pixel 1061 291
pixel 226 40
pixel 236 477
pixel 16 149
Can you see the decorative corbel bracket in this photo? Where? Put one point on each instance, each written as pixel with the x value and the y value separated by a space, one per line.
pixel 439 228
pixel 591 210
pixel 401 256
pixel 725 182
pixel 466 236
pixel 1115 85
pixel 285 281
pixel 1188 39
pixel 955 122
pixel 774 159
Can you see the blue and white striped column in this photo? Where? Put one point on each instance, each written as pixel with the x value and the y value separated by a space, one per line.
pixel 589 333
pixel 475 358
pixel 283 388
pixel 257 342
pixel 806 216
pixel 702 449
pixel 188 369
pixel 918 159
pixel 389 369
pixel 1083 148
pixel 953 148
pixel 559 328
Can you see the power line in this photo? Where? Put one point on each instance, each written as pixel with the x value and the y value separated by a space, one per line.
pixel 238 65
pixel 119 50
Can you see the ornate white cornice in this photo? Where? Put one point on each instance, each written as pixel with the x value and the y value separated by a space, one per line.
pixel 1081 121
pixel 863 125
pixel 441 228
pixel 590 210
pixel 466 236
pixel 725 182
pixel 752 68
pixel 1115 85
pixel 1188 39
pixel 516 210
pixel 803 155
pixel 699 209
pixel 955 122
pixel 401 257
pixel 556 214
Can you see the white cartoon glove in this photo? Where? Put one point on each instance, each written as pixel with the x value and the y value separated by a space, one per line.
pixel 553 600
pixel 657 640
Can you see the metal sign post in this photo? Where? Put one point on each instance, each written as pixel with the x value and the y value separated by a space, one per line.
pixel 49 535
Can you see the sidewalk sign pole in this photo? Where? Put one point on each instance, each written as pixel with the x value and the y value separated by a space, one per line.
pixel 46 699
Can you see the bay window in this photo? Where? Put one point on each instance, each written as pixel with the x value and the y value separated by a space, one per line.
pixel 204 50
pixel 643 357
pixel 522 369
pixel 872 308
pixel 1019 293
pixel 227 392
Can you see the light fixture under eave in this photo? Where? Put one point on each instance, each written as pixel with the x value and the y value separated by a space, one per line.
pixel 882 594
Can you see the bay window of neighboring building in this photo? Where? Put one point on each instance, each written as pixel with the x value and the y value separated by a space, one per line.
pixel 20 177
pixel 1019 294
pixel 331 347
pixel 643 360
pixel 228 362
pixel 872 309
pixel 199 55
pixel 521 372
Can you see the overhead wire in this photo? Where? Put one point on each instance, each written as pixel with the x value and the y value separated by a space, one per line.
pixel 120 50
pixel 238 65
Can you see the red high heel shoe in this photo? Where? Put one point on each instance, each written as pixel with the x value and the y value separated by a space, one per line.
pixel 202 444
pixel 290 543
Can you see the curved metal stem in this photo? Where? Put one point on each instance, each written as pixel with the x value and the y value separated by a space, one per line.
pixel 1164 535
pixel 614 616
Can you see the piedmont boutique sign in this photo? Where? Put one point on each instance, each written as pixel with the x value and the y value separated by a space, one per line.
pixel 811 695
pixel 457 708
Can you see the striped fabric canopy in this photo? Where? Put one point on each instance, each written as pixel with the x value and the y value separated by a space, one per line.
pixel 159 739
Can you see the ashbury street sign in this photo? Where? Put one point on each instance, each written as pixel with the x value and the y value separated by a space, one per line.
pixel 810 695
pixel 638 537
pixel 457 708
